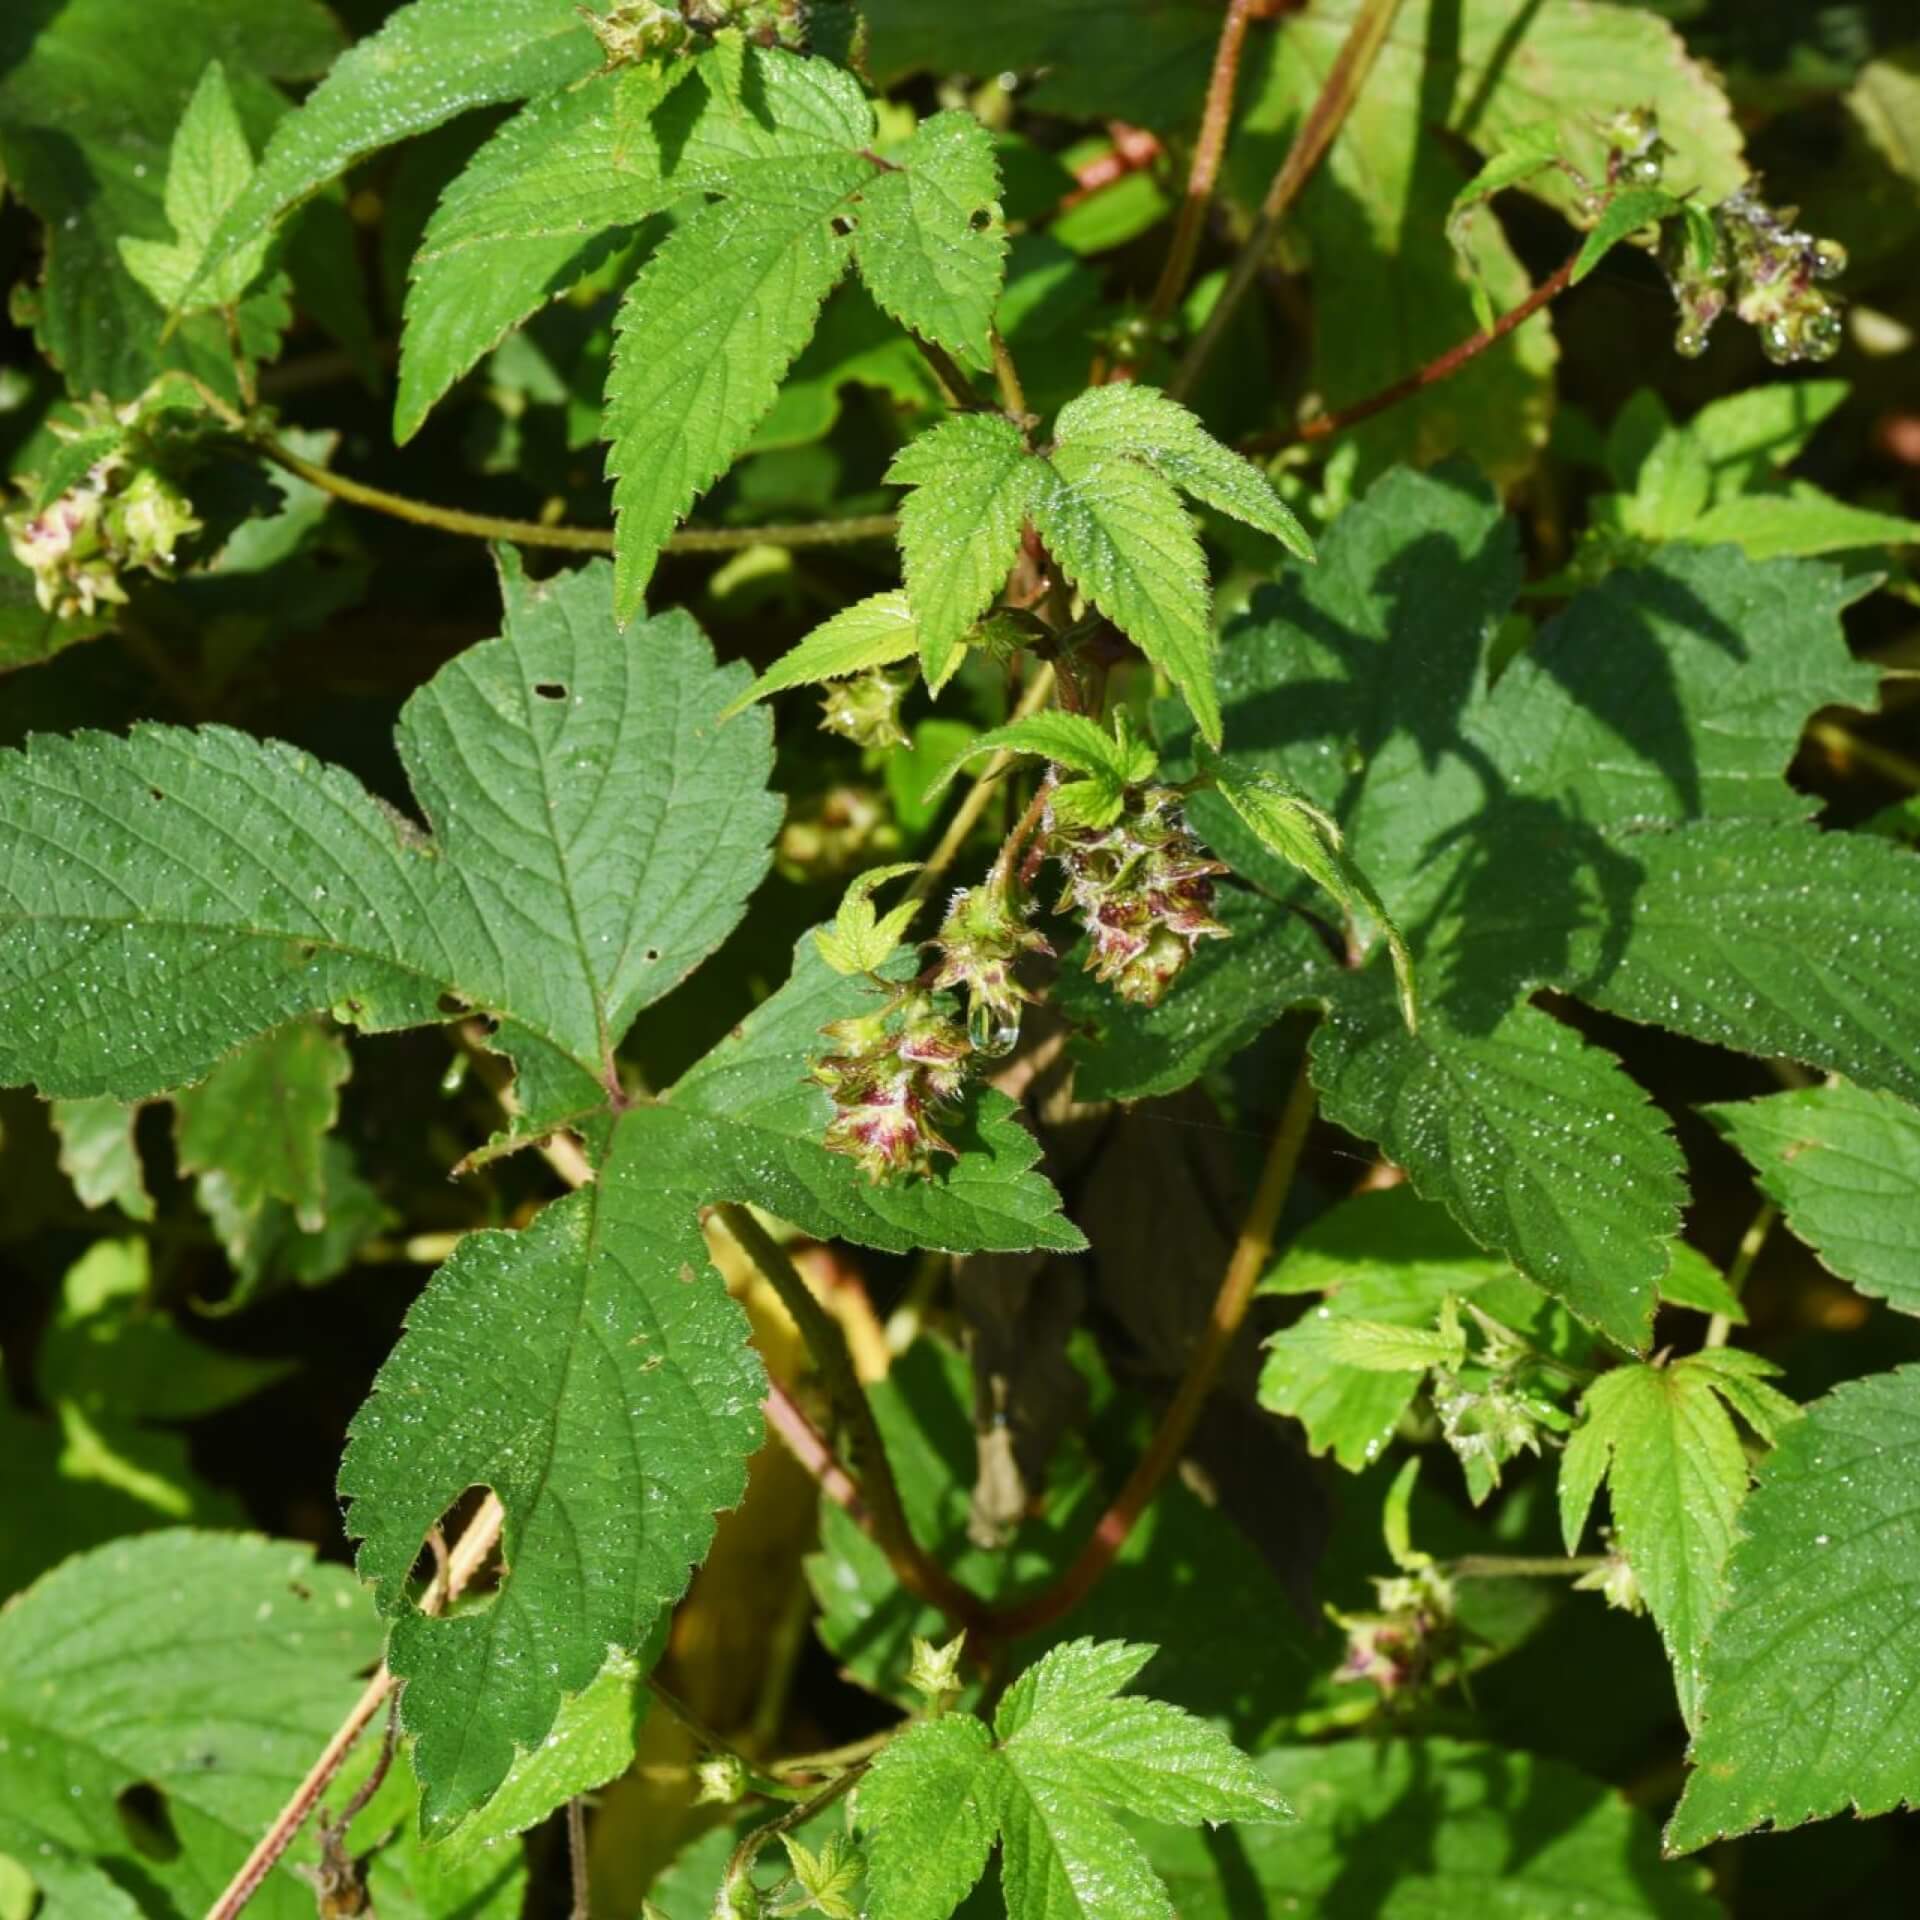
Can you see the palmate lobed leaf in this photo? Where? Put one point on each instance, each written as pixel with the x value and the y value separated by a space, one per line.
pixel 712 322
pixel 598 834
pixel 592 1374
pixel 1064 1746
pixel 599 837
pixel 1609 819
pixel 1676 1471
pixel 210 1666
pixel 198 1673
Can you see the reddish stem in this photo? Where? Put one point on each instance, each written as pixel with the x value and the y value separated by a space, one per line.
pixel 1444 367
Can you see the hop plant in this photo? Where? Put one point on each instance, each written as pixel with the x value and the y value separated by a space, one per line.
pixel 866 709
pixel 981 938
pixel 1404 1647
pixel 1143 889
pixel 117 517
pixel 892 1072
pixel 1767 271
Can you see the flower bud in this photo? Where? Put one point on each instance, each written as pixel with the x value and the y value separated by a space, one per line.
pixel 866 709
pixel 978 943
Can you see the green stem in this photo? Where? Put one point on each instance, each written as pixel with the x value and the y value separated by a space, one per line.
pixel 1720 1327
pixel 1324 119
pixel 533 533
pixel 1520 1566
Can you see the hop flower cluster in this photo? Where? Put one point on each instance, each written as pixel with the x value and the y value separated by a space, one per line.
pixel 1767 271
pixel 893 1073
pixel 1409 1645
pixel 116 517
pixel 981 939
pixel 1143 889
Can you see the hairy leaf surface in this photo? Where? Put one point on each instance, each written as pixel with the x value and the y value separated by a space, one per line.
pixel 174 893
pixel 1432 1830
pixel 1065 1745
pixel 1811 1701
pixel 1843 1165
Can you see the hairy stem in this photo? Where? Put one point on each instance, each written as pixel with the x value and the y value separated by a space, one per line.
pixel 469 1554
pixel 914 1567
pixel 1248 1261
pixel 1208 151
pixel 533 533
pixel 1442 367
pixel 967 814
pixel 1345 78
pixel 1521 1566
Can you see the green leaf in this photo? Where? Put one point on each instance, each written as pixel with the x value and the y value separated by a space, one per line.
pixel 539 206
pixel 598 839
pixel 99 1155
pixel 1751 434
pixel 707 329
pixel 1432 1830
pixel 90 100
pixel 1503 1128
pixel 1843 1164
pixel 592 1742
pixel 593 1374
pixel 1607 818
pixel 1677 1473
pixel 260 1117
pixel 860 940
pixel 1230 993
pixel 1523 154
pixel 1811 1701
pixel 242 1654
pixel 1375 212
pixel 929 1807
pixel 1625 214
pixel 1289 824
pixel 208 169
pixel 713 320
pixel 1803 520
pixel 1122 537
pixel 1065 1745
pixel 1694 1281
pixel 973 487
pixel 874 632
pixel 1072 740
pixel 1384 1258
pixel 428 61
pixel 1144 424
pixel 931 240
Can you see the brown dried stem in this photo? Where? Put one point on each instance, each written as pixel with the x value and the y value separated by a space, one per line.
pixel 1344 80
